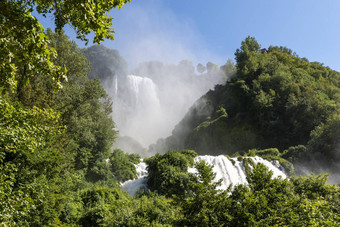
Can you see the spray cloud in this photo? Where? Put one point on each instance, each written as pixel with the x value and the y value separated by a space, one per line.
pixel 161 87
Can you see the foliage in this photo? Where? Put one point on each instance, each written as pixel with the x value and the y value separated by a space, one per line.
pixel 208 122
pixel 24 48
pixel 265 202
pixel 276 100
pixel 85 110
pixel 30 163
pixel 325 142
pixel 270 202
pixel 105 63
pixel 100 205
pixel 149 210
pixel 84 16
pixel 200 207
pixel 44 134
pixel 123 165
pixel 168 173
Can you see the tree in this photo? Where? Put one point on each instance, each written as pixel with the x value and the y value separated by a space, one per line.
pixel 36 151
pixel 168 173
pixel 123 165
pixel 84 109
pixel 201 206
pixel 84 16
pixel 24 46
pixel 246 56
pixel 275 202
pixel 30 162
pixel 35 173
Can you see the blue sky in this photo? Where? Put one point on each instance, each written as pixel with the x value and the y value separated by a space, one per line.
pixel 203 31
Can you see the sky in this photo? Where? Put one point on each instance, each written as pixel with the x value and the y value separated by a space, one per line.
pixel 202 31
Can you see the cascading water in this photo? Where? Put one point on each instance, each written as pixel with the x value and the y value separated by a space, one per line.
pixel 147 111
pixel 116 86
pixel 137 108
pixel 144 93
pixel 231 171
pixel 132 186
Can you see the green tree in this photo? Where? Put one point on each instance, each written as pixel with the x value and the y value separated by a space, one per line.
pixel 123 165
pixel 24 48
pixel 202 206
pixel 277 202
pixel 247 56
pixel 31 162
pixel 85 110
pixel 150 210
pixel 276 99
pixel 168 173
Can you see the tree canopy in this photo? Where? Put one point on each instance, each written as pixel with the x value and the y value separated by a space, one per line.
pixel 25 51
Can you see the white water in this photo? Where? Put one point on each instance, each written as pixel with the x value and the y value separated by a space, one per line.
pixel 144 93
pixel 146 110
pixel 132 186
pixel 116 86
pixel 224 168
pixel 235 173
pixel 137 109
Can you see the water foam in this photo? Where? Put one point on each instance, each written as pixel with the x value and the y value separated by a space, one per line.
pixel 231 171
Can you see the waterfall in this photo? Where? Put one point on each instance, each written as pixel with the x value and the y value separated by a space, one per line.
pixel 137 108
pixel 116 86
pixel 132 186
pixel 144 93
pixel 231 171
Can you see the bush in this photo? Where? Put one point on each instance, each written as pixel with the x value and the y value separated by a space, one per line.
pixel 168 173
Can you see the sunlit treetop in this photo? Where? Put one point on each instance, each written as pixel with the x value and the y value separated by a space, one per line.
pixel 24 50
pixel 83 15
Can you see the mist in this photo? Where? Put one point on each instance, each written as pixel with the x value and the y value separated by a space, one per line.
pixel 155 96
pixel 161 83
pixel 319 165
pixel 153 32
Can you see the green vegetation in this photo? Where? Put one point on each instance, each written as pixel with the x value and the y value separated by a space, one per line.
pixel 57 166
pixel 276 100
pixel 53 142
pixel 297 201
pixel 105 63
pixel 123 165
pixel 168 173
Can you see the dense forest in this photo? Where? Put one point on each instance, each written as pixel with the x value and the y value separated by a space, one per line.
pixel 277 100
pixel 58 168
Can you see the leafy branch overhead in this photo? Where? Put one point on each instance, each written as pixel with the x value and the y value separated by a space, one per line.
pixel 83 15
pixel 24 46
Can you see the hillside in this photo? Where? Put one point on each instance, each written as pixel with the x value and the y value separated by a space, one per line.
pixel 277 100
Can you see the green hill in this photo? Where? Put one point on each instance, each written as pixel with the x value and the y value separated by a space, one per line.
pixel 277 99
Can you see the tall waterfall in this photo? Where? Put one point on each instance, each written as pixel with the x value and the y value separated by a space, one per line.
pixel 231 171
pixel 115 86
pixel 147 108
pixel 144 93
pixel 137 108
